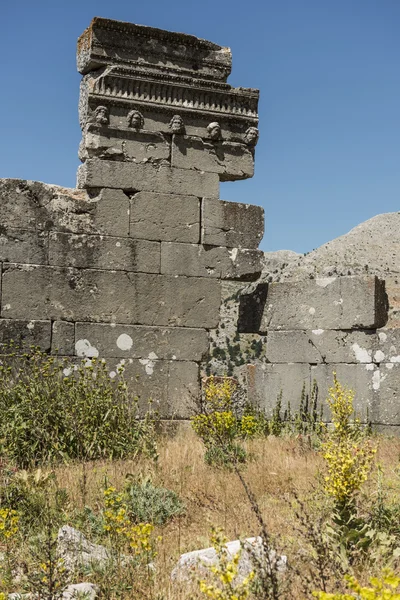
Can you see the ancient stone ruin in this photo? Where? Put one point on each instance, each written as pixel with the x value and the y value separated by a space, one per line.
pixel 145 266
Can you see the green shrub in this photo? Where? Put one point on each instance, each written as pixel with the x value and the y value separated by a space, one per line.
pixel 147 503
pixel 56 411
pixel 225 456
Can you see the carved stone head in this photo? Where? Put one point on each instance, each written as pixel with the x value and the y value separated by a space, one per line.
pixel 177 125
pixel 135 119
pixel 214 131
pixel 101 115
pixel 251 136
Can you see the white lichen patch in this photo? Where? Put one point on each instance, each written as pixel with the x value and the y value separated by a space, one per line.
pixel 379 356
pixel 31 325
pixel 382 336
pixel 362 354
pixel 311 310
pixel 233 254
pixel 67 371
pixel 370 367
pixel 325 281
pixel 149 363
pixel 84 349
pixel 124 342
pixel 317 331
pixel 112 374
pixel 389 366
pixel 395 359
pixel 377 379
pixel 7 307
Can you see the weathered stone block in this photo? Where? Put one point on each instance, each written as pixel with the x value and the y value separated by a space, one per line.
pixel 96 173
pixel 99 252
pixel 169 387
pixel 21 245
pixel 183 389
pixel 110 213
pixel 25 334
pixel 328 303
pixel 165 217
pixel 364 379
pixel 63 338
pixel 319 346
pixel 148 382
pixel 265 382
pixel 230 160
pixel 386 382
pixel 155 48
pixel 210 261
pixel 141 298
pixel 231 224
pixel 135 341
pixel 124 144
pixel 388 347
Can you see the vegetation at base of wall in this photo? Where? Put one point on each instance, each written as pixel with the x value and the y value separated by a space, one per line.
pixel 58 411
pixel 332 507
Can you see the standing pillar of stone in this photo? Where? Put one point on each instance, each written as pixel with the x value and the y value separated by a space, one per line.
pixel 160 128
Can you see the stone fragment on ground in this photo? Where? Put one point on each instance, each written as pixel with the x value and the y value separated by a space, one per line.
pixel 85 590
pixel 76 550
pixel 199 562
pixel 75 591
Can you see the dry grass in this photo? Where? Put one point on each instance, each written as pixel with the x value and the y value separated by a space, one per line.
pixel 215 497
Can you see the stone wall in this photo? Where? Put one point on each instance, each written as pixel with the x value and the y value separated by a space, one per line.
pixel 129 266
pixel 145 266
pixel 333 310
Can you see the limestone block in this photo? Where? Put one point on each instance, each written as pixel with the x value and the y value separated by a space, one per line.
pixel 326 303
pixel 230 160
pixel 388 347
pixel 266 381
pixel 151 47
pixel 26 333
pixel 363 379
pixel 99 252
pixel 165 217
pixel 96 173
pixel 35 206
pixel 63 338
pixel 183 389
pixel 386 383
pixel 210 261
pixel 392 286
pixel 21 245
pixel 141 298
pixel 135 341
pixel 124 144
pixel 169 387
pixel 109 211
pixel 147 379
pixel 250 550
pixel 231 224
pixel 319 346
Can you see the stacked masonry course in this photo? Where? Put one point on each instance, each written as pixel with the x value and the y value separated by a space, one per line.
pixel 129 266
pixel 336 309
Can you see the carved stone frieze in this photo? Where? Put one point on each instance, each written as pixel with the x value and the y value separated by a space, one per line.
pixel 143 79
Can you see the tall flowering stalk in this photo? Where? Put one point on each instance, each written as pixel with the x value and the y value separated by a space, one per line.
pixel 348 456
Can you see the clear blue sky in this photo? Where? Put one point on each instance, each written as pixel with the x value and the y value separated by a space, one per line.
pixel 329 75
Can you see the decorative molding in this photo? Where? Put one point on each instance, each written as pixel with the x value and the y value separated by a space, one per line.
pixel 234 102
